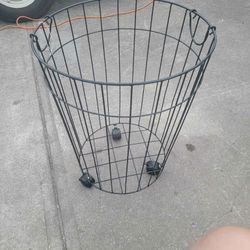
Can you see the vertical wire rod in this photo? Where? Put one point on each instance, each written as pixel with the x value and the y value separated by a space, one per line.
pixel 87 130
pixel 119 56
pixel 129 134
pixel 104 58
pixel 58 103
pixel 62 114
pixel 184 114
pixel 172 66
pixel 146 62
pixel 184 65
pixel 134 43
pixel 92 63
pixel 71 86
pixel 107 139
pixel 67 106
pixel 150 135
pixel 76 134
pixel 193 91
pixel 77 58
pixel 161 59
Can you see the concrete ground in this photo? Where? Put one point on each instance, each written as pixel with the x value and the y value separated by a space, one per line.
pixel 206 183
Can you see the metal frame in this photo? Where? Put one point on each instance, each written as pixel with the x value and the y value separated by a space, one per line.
pixel 97 132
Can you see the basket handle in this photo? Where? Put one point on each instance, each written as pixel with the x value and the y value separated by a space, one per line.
pixel 34 37
pixel 210 29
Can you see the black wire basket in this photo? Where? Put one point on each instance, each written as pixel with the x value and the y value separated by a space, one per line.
pixel 123 75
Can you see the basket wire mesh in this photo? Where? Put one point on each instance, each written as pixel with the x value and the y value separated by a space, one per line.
pixel 123 75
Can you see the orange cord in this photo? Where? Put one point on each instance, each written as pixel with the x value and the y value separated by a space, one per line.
pixel 27 27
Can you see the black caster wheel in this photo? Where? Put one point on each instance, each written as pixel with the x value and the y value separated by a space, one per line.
pixel 116 134
pixel 87 180
pixel 153 167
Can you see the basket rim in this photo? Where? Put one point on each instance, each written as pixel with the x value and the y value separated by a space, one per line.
pixel 126 83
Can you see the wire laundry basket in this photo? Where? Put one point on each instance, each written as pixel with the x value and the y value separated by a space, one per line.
pixel 123 75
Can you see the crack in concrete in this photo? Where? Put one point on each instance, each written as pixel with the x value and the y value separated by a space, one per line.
pixel 50 160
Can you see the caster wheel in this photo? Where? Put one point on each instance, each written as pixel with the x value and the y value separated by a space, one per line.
pixel 153 167
pixel 87 180
pixel 116 134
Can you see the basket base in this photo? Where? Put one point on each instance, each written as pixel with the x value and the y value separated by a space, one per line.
pixel 125 164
